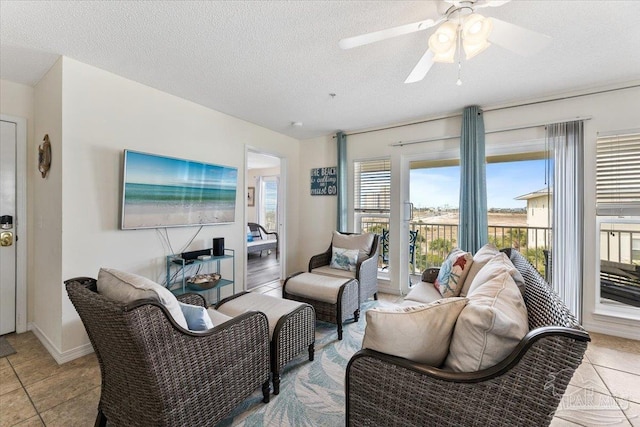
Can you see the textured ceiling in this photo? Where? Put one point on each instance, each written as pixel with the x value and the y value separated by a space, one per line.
pixel 273 63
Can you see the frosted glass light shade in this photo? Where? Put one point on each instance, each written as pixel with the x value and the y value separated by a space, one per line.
pixel 443 42
pixel 475 32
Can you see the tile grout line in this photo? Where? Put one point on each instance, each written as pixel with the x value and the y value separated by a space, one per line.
pixel 26 392
pixel 615 398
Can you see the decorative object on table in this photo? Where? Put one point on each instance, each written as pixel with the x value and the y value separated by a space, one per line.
pixel 324 181
pixel 44 156
pixel 202 282
pixel 251 196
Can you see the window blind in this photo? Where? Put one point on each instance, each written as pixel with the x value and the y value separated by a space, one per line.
pixel 618 175
pixel 372 186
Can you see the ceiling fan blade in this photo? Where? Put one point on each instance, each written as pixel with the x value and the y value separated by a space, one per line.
pixel 517 39
pixel 351 42
pixel 422 68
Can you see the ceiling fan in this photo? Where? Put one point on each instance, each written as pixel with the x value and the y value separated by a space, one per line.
pixel 461 29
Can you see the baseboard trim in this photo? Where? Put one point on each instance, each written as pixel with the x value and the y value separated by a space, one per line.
pixel 59 356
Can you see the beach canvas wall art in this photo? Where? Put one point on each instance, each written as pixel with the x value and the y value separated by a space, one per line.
pixel 163 191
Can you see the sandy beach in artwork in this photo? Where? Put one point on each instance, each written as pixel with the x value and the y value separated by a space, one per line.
pixel 149 215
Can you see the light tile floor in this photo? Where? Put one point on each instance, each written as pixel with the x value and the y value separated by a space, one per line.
pixel 36 391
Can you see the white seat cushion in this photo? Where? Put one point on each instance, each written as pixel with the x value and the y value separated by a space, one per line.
pixel 273 307
pixel 216 317
pixel 128 287
pixel 421 333
pixel 334 272
pixel 316 286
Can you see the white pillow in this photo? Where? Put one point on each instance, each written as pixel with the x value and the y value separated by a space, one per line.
pixel 490 326
pixel 127 287
pixel 498 263
pixel 420 333
pixel 344 259
pixel 361 242
pixel 197 317
pixel 480 259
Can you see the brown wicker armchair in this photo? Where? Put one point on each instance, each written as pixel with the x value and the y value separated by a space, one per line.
pixel 524 389
pixel 366 270
pixel 155 373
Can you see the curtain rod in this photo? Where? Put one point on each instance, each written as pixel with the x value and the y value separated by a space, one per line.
pixel 449 116
pixel 444 138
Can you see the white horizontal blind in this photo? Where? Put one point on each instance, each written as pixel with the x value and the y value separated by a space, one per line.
pixel 372 186
pixel 618 175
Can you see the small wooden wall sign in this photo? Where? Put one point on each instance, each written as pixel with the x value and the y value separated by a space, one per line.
pixel 324 181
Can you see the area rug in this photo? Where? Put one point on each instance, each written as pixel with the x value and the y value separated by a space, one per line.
pixel 311 393
pixel 5 348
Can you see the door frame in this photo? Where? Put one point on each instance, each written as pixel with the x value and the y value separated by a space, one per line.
pixel 21 220
pixel 282 211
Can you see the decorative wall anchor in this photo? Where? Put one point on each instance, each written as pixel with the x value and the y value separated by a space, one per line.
pixel 44 156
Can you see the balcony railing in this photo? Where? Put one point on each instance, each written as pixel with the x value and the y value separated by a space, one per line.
pixel 435 241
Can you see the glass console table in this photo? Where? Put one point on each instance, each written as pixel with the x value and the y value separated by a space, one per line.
pixel 180 270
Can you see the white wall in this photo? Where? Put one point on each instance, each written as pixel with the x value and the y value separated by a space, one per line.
pixel 613 110
pixel 91 116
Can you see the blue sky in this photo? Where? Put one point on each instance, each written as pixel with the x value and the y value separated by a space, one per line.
pixel 437 187
pixel 158 170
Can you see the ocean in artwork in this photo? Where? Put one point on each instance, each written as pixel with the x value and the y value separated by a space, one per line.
pixel 166 192
pixel 149 205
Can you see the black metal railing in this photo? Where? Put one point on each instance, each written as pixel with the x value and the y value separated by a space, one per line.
pixel 434 241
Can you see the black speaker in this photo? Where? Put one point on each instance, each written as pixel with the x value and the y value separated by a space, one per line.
pixel 218 246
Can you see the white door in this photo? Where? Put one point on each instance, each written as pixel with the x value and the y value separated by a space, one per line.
pixel 8 132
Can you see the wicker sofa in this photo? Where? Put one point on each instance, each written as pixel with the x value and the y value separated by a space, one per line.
pixel 156 373
pixel 524 389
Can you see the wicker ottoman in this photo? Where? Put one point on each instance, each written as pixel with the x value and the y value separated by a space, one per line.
pixel 292 326
pixel 335 299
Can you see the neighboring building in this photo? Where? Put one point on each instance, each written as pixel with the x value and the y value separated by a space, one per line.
pixel 539 214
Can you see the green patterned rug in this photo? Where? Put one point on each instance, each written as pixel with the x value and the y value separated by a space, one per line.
pixel 311 393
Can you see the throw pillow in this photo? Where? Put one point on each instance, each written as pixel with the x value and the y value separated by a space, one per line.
pixel 420 333
pixel 361 242
pixel 344 259
pixel 127 287
pixel 197 317
pixel 480 259
pixel 489 327
pixel 453 272
pixel 498 263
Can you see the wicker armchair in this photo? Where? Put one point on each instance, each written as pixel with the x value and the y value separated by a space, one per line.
pixel 366 270
pixel 524 389
pixel 155 373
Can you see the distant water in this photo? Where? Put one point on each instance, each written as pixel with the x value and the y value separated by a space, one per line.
pixel 158 195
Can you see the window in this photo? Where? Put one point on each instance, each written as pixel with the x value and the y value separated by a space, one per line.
pixel 372 199
pixel 617 208
pixel 372 186
pixel 618 174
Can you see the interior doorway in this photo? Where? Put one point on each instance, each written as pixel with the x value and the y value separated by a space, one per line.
pixel 265 207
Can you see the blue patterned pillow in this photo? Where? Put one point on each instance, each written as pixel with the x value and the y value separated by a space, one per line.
pixel 344 259
pixel 453 272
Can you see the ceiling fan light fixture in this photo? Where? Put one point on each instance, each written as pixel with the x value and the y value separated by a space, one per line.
pixel 475 33
pixel 443 42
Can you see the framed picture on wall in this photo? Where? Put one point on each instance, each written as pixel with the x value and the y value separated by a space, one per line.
pixel 251 196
